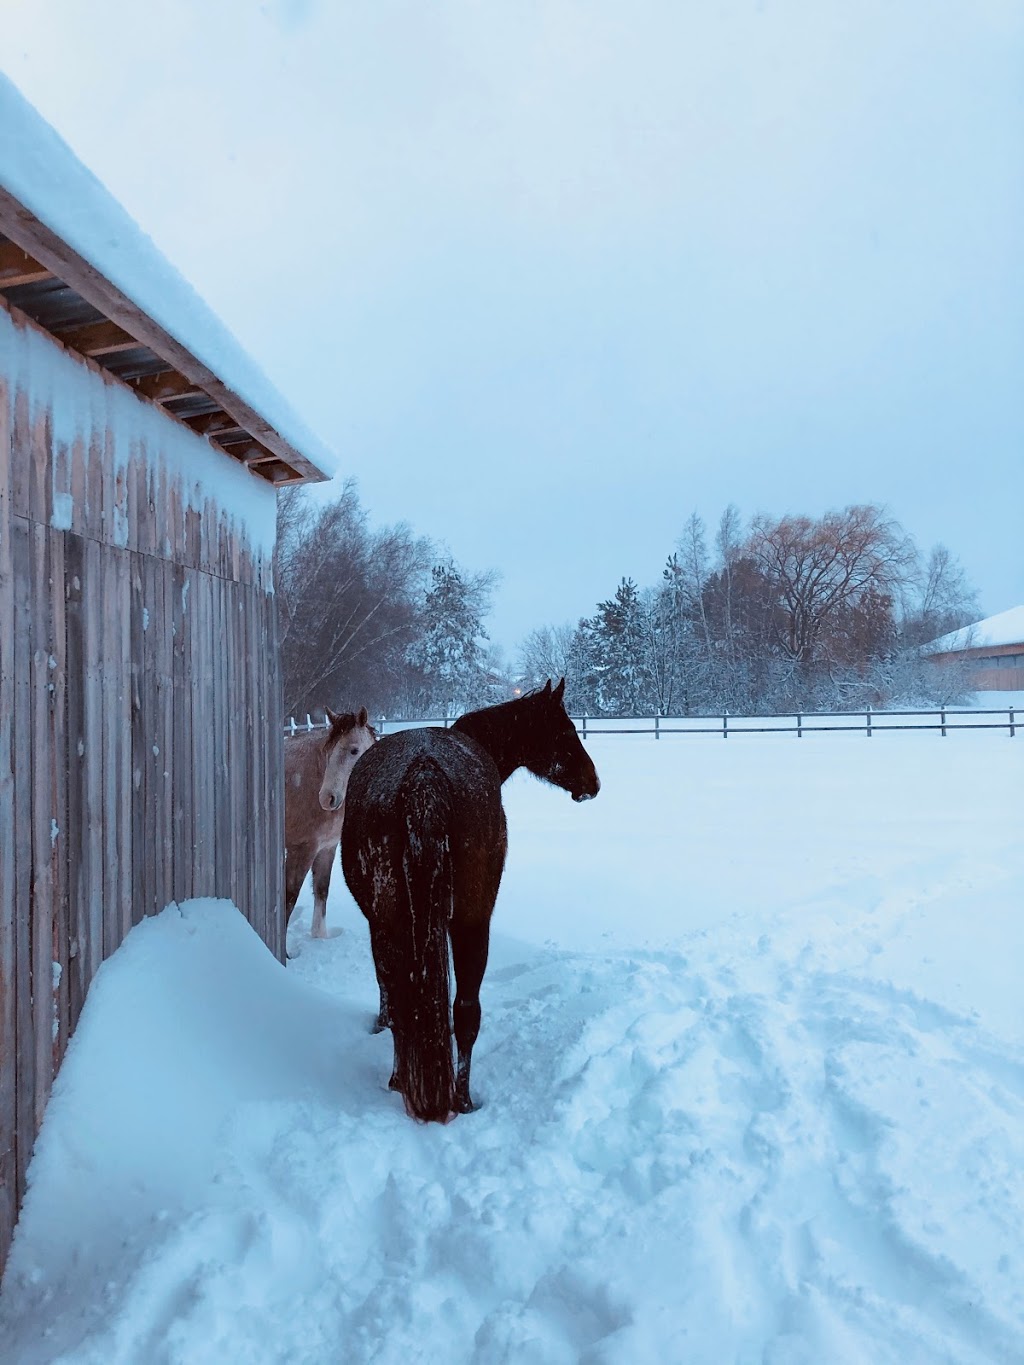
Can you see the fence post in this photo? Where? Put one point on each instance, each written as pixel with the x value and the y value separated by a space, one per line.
pixel 657 734
pixel 799 726
pixel 1013 730
pixel 867 716
pixel 291 721
pixel 584 719
pixel 725 725
pixel 942 718
pixel 309 721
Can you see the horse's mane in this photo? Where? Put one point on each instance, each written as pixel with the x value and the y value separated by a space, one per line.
pixel 534 694
pixel 341 725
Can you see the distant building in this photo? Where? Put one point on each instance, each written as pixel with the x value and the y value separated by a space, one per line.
pixel 993 649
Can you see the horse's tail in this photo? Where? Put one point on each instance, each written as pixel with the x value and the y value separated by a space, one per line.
pixel 419 1002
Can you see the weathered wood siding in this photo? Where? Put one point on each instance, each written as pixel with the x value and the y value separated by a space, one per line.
pixel 140 699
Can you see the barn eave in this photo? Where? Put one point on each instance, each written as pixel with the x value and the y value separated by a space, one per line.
pixel 64 294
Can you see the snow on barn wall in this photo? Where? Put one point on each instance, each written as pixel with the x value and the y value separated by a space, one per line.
pixel 140 691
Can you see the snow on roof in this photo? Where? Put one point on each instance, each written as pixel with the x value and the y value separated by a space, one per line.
pixel 40 171
pixel 1006 628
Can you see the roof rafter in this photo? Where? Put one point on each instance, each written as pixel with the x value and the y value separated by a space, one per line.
pixel 168 384
pixel 98 339
pixel 127 327
pixel 17 267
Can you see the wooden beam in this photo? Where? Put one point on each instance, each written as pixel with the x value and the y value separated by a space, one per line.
pixel 278 473
pixel 18 267
pixel 47 247
pixel 99 339
pixel 239 450
pixel 213 423
pixel 158 388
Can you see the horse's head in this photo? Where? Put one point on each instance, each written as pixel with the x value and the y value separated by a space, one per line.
pixel 554 751
pixel 347 739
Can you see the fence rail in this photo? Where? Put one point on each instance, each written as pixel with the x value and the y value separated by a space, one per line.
pixel 799 723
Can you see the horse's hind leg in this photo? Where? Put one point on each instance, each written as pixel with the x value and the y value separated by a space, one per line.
pixel 469 954
pixel 322 865
pixel 380 945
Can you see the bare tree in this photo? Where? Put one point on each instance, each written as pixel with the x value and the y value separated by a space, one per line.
pixel 691 566
pixel 349 601
pixel 945 599
pixel 547 652
pixel 728 542
pixel 821 568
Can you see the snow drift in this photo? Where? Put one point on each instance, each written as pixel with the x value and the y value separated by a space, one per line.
pixel 752 1086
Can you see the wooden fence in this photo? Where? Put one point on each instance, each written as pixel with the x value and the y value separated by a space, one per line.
pixel 864 722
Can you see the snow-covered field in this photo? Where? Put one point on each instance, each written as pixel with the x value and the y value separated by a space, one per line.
pixel 752 1083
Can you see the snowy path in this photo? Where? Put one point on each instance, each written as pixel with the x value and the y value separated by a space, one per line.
pixel 760 1100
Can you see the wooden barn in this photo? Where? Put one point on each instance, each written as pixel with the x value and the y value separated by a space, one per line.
pixel 992 650
pixel 140 692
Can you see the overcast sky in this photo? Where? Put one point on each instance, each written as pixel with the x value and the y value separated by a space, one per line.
pixel 551 276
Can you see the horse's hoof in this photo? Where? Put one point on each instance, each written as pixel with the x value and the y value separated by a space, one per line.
pixel 380 1024
pixel 464 1105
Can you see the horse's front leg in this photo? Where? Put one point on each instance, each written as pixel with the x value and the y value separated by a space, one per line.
pixel 469 955
pixel 322 865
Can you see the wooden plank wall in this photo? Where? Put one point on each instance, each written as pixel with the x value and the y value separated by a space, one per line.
pixel 140 713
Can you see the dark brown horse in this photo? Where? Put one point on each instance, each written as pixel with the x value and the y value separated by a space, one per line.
pixel 423 854
pixel 316 773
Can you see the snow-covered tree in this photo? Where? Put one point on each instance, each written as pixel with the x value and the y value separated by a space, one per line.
pixel 620 635
pixel 348 599
pixel 449 651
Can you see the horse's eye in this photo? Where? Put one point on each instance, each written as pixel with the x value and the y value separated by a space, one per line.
pixel 353 750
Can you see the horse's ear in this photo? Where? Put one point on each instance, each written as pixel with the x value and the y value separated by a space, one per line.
pixel 362 718
pixel 547 688
pixel 559 691
pixel 332 718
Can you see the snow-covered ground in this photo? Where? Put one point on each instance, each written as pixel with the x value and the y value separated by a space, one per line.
pixel 752 1083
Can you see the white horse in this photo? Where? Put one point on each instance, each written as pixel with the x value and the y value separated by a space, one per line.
pixel 316 773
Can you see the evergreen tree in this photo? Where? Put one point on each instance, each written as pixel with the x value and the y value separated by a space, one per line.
pixel 449 650
pixel 619 632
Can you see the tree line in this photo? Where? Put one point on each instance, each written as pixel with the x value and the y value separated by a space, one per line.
pixel 380 617
pixel 783 614
pixel 777 614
